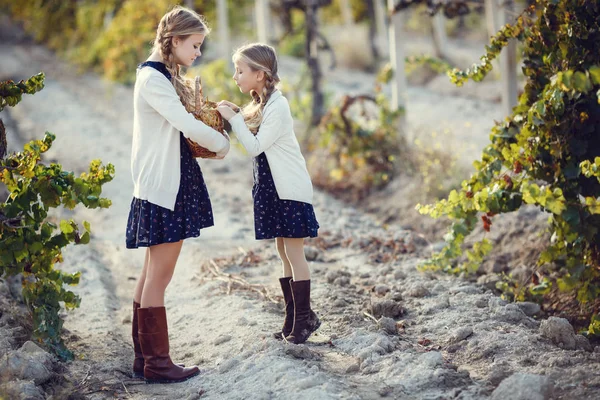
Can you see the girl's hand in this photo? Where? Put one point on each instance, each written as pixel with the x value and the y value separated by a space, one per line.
pixel 226 112
pixel 229 104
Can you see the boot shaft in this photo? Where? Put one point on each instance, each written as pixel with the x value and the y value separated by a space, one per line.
pixel 153 328
pixel 305 320
pixel 288 297
pixel 154 340
pixel 301 295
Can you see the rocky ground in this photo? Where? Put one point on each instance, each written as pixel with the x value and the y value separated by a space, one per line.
pixel 389 331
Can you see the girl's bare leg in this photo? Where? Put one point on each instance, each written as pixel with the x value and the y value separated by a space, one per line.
pixel 137 294
pixel 161 266
pixel 294 250
pixel 287 267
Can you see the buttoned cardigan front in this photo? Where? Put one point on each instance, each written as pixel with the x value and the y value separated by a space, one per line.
pixel 158 117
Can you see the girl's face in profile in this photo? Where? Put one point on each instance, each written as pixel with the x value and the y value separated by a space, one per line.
pixel 185 51
pixel 245 78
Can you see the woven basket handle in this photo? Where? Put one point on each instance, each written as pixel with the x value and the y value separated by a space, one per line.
pixel 198 93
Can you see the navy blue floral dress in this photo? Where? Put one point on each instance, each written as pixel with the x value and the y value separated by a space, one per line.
pixel 149 224
pixel 274 217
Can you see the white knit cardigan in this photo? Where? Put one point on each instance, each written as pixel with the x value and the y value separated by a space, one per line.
pixel 276 138
pixel 158 117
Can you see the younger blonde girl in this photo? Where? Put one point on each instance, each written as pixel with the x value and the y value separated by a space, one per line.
pixel 282 189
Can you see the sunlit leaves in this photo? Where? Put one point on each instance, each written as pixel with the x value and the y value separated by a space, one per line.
pixel 11 92
pixel 479 71
pixel 589 169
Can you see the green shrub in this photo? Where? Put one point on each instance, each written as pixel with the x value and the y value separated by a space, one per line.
pixel 542 154
pixel 30 242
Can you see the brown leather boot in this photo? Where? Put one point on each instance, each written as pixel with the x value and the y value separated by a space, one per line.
pixel 138 361
pixel 305 320
pixel 288 299
pixel 153 334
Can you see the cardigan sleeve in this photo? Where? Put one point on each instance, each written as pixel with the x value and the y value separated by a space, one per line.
pixel 160 94
pixel 269 131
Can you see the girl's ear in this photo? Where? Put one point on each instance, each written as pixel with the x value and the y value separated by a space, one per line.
pixel 175 41
pixel 260 76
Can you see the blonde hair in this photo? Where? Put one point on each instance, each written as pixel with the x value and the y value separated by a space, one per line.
pixel 180 22
pixel 259 57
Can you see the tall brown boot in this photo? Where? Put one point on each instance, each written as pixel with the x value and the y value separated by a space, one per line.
pixel 154 340
pixel 138 361
pixel 288 299
pixel 305 320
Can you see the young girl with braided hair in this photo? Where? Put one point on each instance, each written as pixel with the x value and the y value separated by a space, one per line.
pixel 170 200
pixel 282 189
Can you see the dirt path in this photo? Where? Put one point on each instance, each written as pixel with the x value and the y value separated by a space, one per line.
pixel 441 338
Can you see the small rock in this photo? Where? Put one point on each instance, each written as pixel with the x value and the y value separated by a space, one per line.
pixel 461 334
pixel 342 281
pixel 443 303
pixel 354 367
pixel 194 393
pixel 15 286
pixel 369 352
pixel 339 303
pixel 333 275
pixel 399 275
pixel 583 343
pixel 417 290
pixel 126 319
pixel 4 289
pixel 28 363
pixel 396 296
pixel 510 313
pixel 32 348
pixel 301 352
pixel 222 339
pixel 387 308
pixel 467 289
pixel 388 325
pixel 7 341
pixel 381 290
pixel 481 302
pixel 496 302
pixel 384 391
pixel 498 373
pixel 312 253
pixel 432 359
pixel 21 390
pixel 227 365
pixel 453 348
pixel 530 309
pixel 560 332
pixel 522 386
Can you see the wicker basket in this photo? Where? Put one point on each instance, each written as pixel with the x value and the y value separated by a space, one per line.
pixel 205 111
